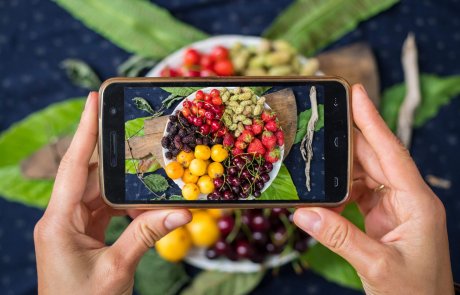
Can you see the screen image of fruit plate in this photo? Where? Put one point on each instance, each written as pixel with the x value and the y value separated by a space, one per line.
pixel 221 143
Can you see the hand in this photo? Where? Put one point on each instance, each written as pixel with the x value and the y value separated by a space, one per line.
pixel 72 257
pixel 405 248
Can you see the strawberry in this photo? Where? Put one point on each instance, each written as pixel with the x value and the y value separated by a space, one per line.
pixel 248 127
pixel 257 126
pixel 256 147
pixel 279 137
pixel 273 155
pixel 239 144
pixel 272 125
pixel 268 115
pixel 229 140
pixel 268 140
pixel 246 136
pixel 237 151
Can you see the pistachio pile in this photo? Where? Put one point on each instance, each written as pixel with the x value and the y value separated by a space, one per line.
pixel 273 58
pixel 240 105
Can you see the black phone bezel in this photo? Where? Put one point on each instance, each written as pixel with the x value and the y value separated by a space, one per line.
pixel 336 137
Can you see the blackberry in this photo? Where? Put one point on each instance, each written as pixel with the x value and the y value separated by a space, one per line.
pixel 168 155
pixel 206 141
pixel 186 148
pixel 182 133
pixel 188 139
pixel 199 141
pixel 192 145
pixel 175 152
pixel 169 126
pixel 174 130
pixel 177 138
pixel 219 140
pixel 173 118
pixel 183 121
pixel 165 142
pixel 178 145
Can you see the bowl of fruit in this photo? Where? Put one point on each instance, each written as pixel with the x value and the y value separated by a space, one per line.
pixel 223 144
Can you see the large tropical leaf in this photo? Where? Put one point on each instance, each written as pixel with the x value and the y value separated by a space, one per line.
pixel 436 92
pixel 310 25
pixel 24 138
pixel 137 26
pixel 282 187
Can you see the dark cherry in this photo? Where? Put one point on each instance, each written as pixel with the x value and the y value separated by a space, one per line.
pixel 227 195
pixel 232 170
pixel 243 249
pixel 259 223
pixel 211 253
pixel 301 245
pixel 260 184
pixel 246 174
pixel 257 257
pixel 221 247
pixel 279 236
pixel 236 189
pixel 257 194
pixel 225 225
pixel 268 167
pixel 277 212
pixel 246 188
pixel 259 237
pixel 265 177
pixel 234 181
pixel 218 182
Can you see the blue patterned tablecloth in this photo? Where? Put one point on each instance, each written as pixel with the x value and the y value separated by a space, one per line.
pixel 36 35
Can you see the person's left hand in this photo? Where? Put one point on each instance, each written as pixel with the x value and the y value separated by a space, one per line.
pixel 72 257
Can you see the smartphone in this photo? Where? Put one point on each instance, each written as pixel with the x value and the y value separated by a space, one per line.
pixel 249 142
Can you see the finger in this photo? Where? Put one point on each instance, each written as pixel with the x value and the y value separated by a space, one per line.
pixel 339 235
pixel 364 197
pixel 73 171
pixel 368 165
pixel 394 158
pixel 92 195
pixel 143 232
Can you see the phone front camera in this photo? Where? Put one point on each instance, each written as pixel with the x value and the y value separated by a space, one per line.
pixel 113 111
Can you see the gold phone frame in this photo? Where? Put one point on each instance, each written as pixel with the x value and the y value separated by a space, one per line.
pixel 307 79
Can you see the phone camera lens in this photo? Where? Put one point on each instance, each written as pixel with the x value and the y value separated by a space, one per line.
pixel 113 111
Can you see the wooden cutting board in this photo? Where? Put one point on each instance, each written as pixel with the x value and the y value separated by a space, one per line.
pixel 282 102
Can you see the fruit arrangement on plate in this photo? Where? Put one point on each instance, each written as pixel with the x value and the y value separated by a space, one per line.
pixel 223 144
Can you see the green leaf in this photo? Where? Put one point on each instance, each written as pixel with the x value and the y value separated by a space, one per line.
pixel 155 276
pixel 181 91
pixel 156 182
pixel 131 164
pixel 39 129
pixel 137 26
pixel 176 198
pixel 24 138
pixel 134 66
pixel 135 127
pixel 81 74
pixel 260 90
pixel 143 105
pixel 116 227
pixel 302 123
pixel 282 188
pixel 222 283
pixel 436 92
pixel 330 265
pixel 310 25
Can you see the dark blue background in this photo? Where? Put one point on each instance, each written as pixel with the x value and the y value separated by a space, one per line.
pixel 36 35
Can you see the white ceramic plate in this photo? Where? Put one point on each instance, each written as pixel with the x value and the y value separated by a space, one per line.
pixel 180 183
pixel 196 256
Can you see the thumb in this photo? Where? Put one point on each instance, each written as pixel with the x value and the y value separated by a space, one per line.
pixel 340 236
pixel 142 233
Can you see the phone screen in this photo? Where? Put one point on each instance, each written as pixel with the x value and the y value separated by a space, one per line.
pixel 234 142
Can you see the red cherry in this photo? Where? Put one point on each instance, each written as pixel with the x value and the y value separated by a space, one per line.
pixel 197 121
pixel 215 109
pixel 219 53
pixel 201 112
pixel 169 72
pixel 223 68
pixel 192 73
pixel 209 115
pixel 205 129
pixel 215 93
pixel 186 112
pixel 207 98
pixel 206 62
pixel 194 109
pixel 207 73
pixel 217 101
pixel 215 126
pixel 222 131
pixel 199 104
pixel 191 57
pixel 199 95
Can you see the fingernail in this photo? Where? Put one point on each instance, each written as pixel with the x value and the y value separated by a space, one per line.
pixel 90 96
pixel 174 220
pixel 309 220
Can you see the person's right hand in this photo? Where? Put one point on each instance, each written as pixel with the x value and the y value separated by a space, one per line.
pixel 405 248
